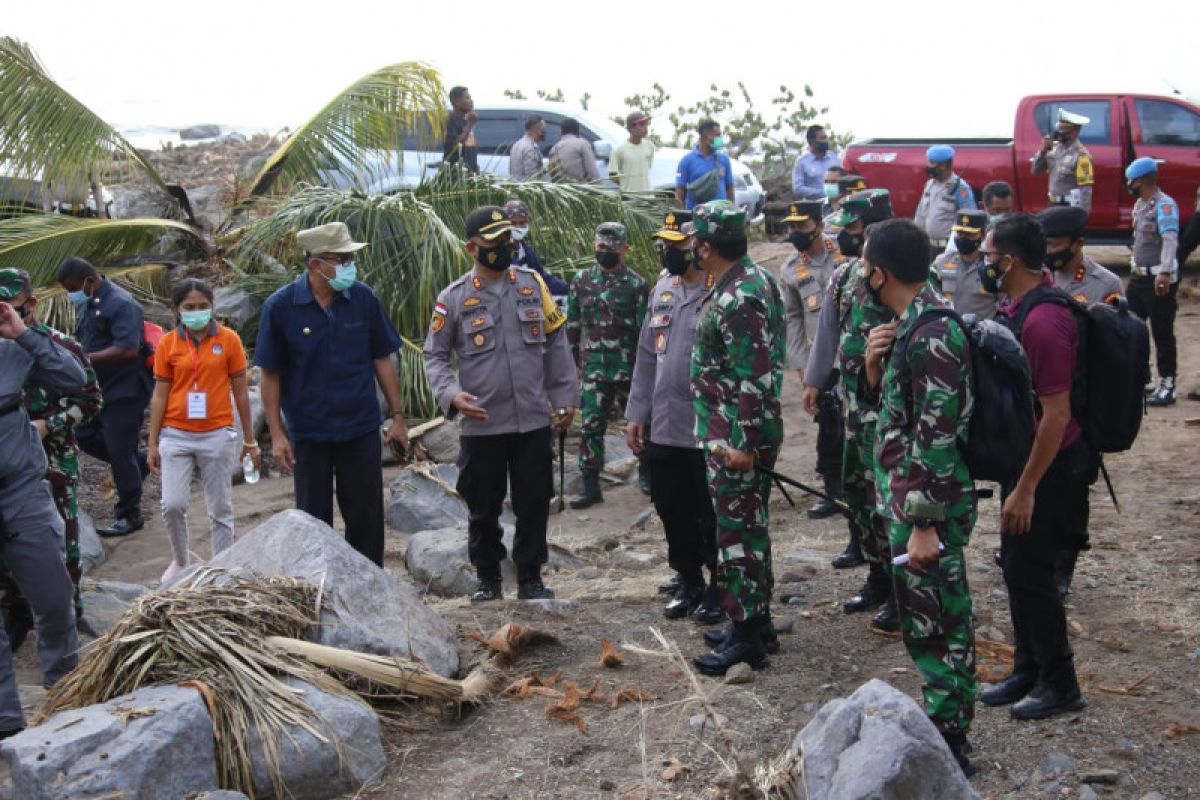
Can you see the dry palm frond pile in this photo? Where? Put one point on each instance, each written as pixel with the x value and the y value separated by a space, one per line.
pixel 214 639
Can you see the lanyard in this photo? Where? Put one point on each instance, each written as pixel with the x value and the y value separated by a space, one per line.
pixel 194 352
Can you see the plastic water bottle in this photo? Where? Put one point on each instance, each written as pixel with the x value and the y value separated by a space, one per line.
pixel 249 471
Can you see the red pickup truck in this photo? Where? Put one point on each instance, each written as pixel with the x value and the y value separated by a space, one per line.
pixel 1122 127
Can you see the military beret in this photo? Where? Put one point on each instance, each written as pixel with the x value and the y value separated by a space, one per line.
pixel 1063 220
pixel 13 283
pixel 851 183
pixel 676 226
pixel 719 219
pixel 801 210
pixel 1141 167
pixel 489 222
pixel 939 153
pixel 611 234
pixel 970 221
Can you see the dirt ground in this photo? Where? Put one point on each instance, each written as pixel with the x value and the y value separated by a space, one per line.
pixel 1134 618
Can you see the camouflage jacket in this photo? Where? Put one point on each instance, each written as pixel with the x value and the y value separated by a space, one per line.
pixel 61 412
pixel 605 311
pixel 737 361
pixel 925 408
pixel 858 314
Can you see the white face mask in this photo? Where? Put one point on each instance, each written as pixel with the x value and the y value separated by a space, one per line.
pixel 519 233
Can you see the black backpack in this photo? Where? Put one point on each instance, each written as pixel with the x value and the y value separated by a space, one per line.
pixel 1112 367
pixel 1000 432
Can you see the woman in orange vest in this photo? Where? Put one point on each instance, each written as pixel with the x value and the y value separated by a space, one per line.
pixel 200 374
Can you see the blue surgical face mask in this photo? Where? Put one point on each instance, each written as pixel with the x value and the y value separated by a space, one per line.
pixel 78 298
pixel 831 191
pixel 718 143
pixel 196 320
pixel 520 233
pixel 344 277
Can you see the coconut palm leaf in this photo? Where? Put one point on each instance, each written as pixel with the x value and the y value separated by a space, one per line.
pixel 370 115
pixel 146 282
pixel 38 243
pixel 48 135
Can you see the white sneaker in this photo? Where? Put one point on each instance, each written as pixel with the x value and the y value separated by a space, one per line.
pixel 172 570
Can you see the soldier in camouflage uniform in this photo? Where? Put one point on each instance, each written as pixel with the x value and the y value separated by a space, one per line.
pixel 55 415
pixel 605 311
pixel 919 364
pixel 737 379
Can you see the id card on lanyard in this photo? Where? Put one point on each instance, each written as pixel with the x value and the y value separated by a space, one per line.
pixel 197 401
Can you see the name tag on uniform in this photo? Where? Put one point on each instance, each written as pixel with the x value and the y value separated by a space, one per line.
pixel 197 405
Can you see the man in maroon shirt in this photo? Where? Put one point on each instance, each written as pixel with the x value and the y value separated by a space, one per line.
pixel 1046 511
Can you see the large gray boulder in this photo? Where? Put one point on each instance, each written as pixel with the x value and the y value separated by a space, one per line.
pixel 164 750
pixel 195 132
pixel 208 205
pixel 442 443
pixel 91 549
pixel 437 561
pixel 369 609
pixel 421 502
pixel 876 743
pixel 235 305
pixel 310 768
pixel 106 602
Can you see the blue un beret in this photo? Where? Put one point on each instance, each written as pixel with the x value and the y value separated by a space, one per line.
pixel 1140 168
pixel 939 153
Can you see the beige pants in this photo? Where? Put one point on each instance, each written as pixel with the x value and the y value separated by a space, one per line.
pixel 182 453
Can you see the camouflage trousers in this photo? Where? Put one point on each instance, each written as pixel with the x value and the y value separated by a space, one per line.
pixel 935 621
pixel 744 577
pixel 62 488
pixel 858 490
pixel 598 398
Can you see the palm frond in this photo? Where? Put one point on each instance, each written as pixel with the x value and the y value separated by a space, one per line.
pixel 38 243
pixel 146 282
pixel 48 135
pixel 370 115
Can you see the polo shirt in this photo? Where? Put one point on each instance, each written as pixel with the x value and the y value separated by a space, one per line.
pixel 112 318
pixel 695 164
pixel 325 359
pixel 203 364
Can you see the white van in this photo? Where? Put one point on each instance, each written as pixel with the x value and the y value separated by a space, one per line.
pixel 499 127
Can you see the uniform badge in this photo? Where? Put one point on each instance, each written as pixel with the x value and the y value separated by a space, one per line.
pixel 709 280
pixel 479 339
pixel 476 282
pixel 660 342
pixel 306 331
pixel 1168 210
pixel 801 273
pixel 660 320
pixel 217 350
pixel 530 313
pixel 829 245
pixel 471 302
pixel 525 291
pixel 1080 273
pixel 1081 297
pixel 478 322
pixel 535 331
pixel 666 297
pixel 512 275
pixel 812 301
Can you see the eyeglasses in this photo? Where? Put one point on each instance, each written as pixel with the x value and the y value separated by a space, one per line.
pixel 338 258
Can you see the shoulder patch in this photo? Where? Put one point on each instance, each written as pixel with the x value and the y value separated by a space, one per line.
pixel 439 317
pixel 1084 173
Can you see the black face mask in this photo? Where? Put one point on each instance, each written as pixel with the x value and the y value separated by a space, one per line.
pixel 931 172
pixel 1058 259
pixel 820 148
pixel 850 243
pixel 1058 136
pixel 1133 188
pixel 966 246
pixel 877 294
pixel 608 259
pixel 802 241
pixel 498 257
pixel 677 261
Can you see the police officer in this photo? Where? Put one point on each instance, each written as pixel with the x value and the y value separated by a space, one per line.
pixel 31 531
pixel 515 378
pixel 1154 271
pixel 803 278
pixel 957 270
pixel 109 325
pixel 660 394
pixel 737 380
pixel 945 194
pixel 1068 162
pixel 604 315
pixel 1074 272
pixel 55 414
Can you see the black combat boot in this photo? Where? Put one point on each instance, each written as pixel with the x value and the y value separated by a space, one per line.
pixel 1013 688
pixel 745 645
pixel 887 621
pixel 489 589
pixel 825 507
pixel 590 494
pixel 687 597
pixel 1049 699
pixel 959 748
pixel 709 611
pixel 719 638
pixel 875 592
pixel 853 554
pixel 529 584
pixel 1164 395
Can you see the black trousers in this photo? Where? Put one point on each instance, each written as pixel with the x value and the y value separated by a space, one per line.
pixel 113 437
pixel 354 468
pixel 831 437
pixel 1160 311
pixel 1060 518
pixel 679 489
pixel 486 465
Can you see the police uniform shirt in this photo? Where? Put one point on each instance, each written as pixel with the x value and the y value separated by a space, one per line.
pixel 940 202
pixel 1155 235
pixel 510 344
pixel 112 318
pixel 803 279
pixel 661 393
pixel 1089 283
pixel 961 285
pixel 1071 174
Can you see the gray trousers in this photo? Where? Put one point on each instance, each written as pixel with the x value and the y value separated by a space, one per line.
pixel 32 540
pixel 183 452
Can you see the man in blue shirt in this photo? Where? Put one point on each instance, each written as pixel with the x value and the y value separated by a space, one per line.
pixel 109 326
pixel 808 176
pixel 323 341
pixel 693 184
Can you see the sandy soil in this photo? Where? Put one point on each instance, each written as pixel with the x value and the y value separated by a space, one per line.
pixel 1134 620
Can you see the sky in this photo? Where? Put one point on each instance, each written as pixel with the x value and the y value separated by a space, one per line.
pixel 883 68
